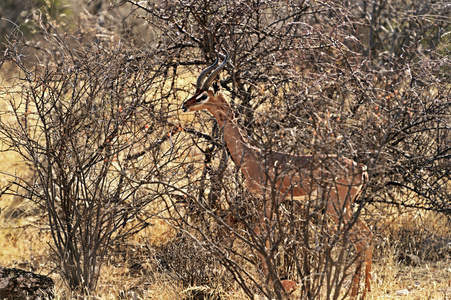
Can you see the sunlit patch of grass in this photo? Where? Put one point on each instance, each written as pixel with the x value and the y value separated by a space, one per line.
pixel 120 282
pixel 425 239
pixel 22 245
pixel 393 280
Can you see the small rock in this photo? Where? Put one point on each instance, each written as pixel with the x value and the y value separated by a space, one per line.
pixel 402 292
pixel 18 284
pixel 409 259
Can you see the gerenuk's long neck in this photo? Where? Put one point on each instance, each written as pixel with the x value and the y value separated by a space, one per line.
pixel 238 148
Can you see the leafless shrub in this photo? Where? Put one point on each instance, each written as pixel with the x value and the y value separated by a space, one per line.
pixel 192 265
pixel 83 119
pixel 310 78
pixel 97 121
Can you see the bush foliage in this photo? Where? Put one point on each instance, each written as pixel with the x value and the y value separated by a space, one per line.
pixel 93 106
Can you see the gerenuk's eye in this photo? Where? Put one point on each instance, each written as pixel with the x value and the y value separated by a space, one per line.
pixel 202 98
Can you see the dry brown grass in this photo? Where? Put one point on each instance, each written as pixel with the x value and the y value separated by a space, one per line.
pixel 393 280
pixel 25 245
pixel 424 235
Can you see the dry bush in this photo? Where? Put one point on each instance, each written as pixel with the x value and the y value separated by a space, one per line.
pixel 187 262
pixel 299 88
pixel 83 120
pixel 94 112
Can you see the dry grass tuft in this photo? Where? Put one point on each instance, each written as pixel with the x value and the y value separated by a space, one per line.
pixel 136 268
pixel 412 258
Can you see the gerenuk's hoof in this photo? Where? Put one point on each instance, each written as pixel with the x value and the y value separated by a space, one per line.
pixel 289 286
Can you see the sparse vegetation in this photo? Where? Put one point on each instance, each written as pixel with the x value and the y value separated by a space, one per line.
pixel 115 193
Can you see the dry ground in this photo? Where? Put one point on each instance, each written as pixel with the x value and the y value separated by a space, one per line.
pixel 25 245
